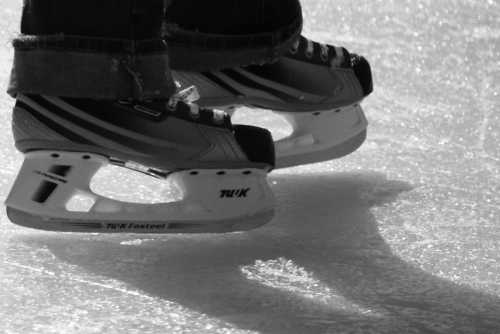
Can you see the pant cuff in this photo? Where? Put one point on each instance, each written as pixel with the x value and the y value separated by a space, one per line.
pixel 91 68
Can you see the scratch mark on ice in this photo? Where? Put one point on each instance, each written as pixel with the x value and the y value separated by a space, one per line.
pixel 79 280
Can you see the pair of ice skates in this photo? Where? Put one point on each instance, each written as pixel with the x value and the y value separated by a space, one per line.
pixel 220 168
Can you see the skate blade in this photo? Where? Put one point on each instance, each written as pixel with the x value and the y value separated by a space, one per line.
pixel 214 201
pixel 321 136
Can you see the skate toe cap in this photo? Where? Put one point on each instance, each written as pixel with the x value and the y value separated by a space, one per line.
pixel 363 72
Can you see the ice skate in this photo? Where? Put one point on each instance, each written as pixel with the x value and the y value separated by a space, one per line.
pixel 221 169
pixel 316 87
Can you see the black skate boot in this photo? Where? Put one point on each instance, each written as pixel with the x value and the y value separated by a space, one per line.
pixel 316 87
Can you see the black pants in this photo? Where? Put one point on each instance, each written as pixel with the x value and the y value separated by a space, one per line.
pixel 143 19
pixel 115 49
pixel 111 19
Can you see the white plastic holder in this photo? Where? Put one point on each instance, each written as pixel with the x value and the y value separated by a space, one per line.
pixel 321 135
pixel 221 200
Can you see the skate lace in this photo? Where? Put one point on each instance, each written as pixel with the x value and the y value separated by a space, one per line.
pixel 334 58
pixel 189 96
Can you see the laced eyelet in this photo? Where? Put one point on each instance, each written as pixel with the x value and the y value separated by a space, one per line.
pixel 194 111
pixel 172 104
pixel 309 54
pixel 295 47
pixel 324 57
pixel 336 62
pixel 218 116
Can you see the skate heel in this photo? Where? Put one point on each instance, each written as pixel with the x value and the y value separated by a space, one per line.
pixel 320 136
pixel 52 192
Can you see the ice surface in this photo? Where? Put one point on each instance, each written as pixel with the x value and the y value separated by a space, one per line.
pixel 401 237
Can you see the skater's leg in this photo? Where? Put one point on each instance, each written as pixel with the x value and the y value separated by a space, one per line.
pixel 114 49
pixel 206 35
pixel 93 49
pixel 235 17
pixel 109 19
